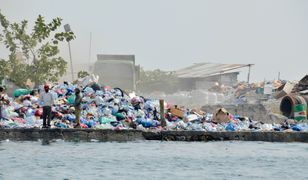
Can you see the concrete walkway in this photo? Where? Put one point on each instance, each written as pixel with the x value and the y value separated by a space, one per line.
pixel 135 135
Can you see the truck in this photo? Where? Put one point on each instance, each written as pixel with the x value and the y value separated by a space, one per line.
pixel 117 71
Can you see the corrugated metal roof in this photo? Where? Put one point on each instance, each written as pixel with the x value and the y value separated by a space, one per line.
pixel 206 69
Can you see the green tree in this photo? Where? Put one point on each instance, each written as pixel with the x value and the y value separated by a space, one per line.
pixel 38 51
pixel 82 74
pixel 157 80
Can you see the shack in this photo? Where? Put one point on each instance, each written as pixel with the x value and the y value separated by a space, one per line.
pixel 205 75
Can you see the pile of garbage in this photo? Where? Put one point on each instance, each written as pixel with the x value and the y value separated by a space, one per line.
pixel 302 85
pixel 241 93
pixel 112 108
pixel 294 99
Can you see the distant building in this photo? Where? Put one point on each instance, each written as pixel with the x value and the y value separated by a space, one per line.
pixel 205 75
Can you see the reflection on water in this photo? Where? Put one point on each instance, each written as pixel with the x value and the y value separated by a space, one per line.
pixel 45 142
pixel 152 160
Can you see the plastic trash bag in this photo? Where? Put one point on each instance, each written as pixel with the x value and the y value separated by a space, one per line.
pixel 21 92
pixel 105 120
pixel 231 127
pixel 71 99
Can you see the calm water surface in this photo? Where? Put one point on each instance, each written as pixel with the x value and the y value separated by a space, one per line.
pixel 153 160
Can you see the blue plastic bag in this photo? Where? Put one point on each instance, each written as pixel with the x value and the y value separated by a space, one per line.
pixel 231 127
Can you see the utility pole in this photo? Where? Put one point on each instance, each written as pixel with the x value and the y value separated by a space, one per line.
pixel 220 78
pixel 248 76
pixel 67 28
pixel 90 48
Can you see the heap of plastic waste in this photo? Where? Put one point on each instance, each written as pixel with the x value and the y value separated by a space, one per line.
pixel 106 108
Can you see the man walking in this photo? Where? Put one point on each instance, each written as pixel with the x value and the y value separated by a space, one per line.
pixel 47 100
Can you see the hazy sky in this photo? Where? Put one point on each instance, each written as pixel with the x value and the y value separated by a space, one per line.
pixel 172 34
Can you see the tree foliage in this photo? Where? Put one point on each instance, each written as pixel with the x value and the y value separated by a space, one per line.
pixel 33 55
pixel 156 75
pixel 157 80
pixel 82 74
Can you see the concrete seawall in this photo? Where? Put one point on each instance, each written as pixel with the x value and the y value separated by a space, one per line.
pixel 133 135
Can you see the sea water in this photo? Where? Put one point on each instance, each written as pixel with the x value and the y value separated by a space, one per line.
pixel 153 160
